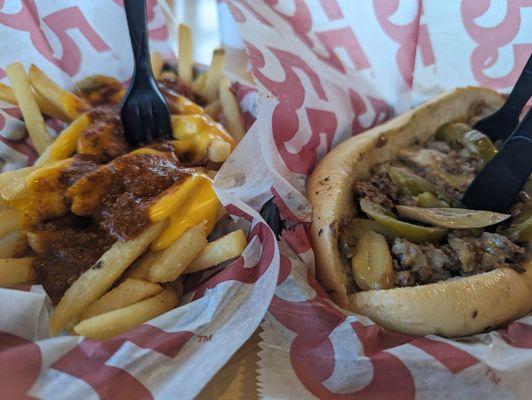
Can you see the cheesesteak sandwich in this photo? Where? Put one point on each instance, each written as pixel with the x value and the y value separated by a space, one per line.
pixel 391 238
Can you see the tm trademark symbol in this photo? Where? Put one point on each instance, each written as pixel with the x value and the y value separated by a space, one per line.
pixel 492 376
pixel 204 338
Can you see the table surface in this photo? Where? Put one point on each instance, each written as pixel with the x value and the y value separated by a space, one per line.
pixel 238 378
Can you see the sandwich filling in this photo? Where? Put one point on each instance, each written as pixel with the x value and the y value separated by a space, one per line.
pixel 411 227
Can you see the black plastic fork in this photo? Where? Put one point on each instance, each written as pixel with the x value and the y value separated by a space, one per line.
pixel 144 110
pixel 497 184
pixel 500 124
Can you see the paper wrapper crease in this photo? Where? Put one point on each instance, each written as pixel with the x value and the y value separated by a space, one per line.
pixel 326 70
pixel 176 354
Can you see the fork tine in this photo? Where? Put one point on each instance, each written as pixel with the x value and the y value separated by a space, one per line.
pixel 135 122
pixel 149 132
pixel 164 125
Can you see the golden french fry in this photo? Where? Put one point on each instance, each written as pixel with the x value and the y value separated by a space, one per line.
pixel 10 222
pixel 49 109
pixel 7 95
pixel 218 150
pixel 128 292
pixel 94 282
pixel 199 83
pixel 231 110
pixel 69 104
pixel 214 109
pixel 118 321
pixel 140 268
pixel 28 107
pixel 157 62
pixel 172 261
pixel 65 144
pixel 14 271
pixel 37 241
pixel 221 212
pixel 6 178
pixel 218 251
pixel 184 57
pixel 93 82
pixel 13 245
pixel 17 189
pixel 216 73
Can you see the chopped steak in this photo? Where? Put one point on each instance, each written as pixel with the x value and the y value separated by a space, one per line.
pixel 483 254
pixel 380 189
pixel 367 190
pixel 426 263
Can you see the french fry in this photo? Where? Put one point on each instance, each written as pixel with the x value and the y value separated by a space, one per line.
pixel 199 83
pixel 219 150
pixel 10 222
pixel 216 72
pixel 172 261
pixel 13 245
pixel 184 57
pixel 65 144
pixel 157 62
pixel 218 251
pixel 49 109
pixel 231 110
pixel 69 104
pixel 28 107
pixel 13 184
pixel 221 212
pixel 6 178
pixel 17 189
pixel 118 321
pixel 14 271
pixel 128 292
pixel 94 282
pixel 93 82
pixel 214 109
pixel 140 268
pixel 7 95
pixel 37 241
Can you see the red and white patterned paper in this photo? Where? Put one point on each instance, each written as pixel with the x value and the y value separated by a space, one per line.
pixel 176 354
pixel 328 69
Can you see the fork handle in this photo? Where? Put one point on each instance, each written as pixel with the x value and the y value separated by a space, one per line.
pixel 524 129
pixel 521 91
pixel 138 32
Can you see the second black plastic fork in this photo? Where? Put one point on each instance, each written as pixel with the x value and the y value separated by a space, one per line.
pixel 144 111
pixel 500 124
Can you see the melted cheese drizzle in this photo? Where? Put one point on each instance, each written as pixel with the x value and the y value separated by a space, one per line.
pixel 192 202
